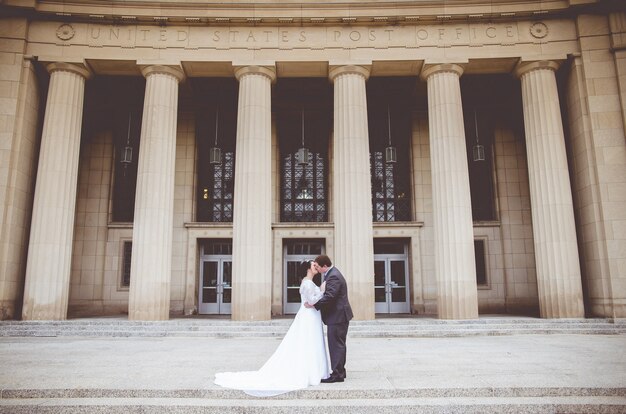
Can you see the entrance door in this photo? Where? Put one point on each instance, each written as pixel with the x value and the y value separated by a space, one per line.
pixel 295 251
pixel 391 277
pixel 215 280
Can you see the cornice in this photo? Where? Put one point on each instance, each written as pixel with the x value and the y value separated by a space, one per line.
pixel 291 12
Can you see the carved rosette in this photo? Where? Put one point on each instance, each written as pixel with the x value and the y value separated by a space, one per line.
pixel 539 30
pixel 65 32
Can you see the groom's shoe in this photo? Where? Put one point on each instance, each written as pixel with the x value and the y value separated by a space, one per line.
pixel 331 379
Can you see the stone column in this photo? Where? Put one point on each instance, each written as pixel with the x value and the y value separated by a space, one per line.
pixel 252 219
pixel 455 266
pixel 52 228
pixel 352 188
pixel 151 263
pixel 556 251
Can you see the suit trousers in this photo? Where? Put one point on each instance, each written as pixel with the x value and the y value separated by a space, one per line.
pixel 337 333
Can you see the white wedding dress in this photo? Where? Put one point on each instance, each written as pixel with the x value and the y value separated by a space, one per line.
pixel 299 361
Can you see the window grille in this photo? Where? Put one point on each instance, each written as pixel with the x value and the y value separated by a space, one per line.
pixel 219 247
pixel 216 189
pixel 303 192
pixel 391 199
pixel 126 258
pixel 216 128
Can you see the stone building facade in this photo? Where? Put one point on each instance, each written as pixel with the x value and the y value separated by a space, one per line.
pixel 182 157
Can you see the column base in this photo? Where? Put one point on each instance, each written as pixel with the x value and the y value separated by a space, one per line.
pixel 607 308
pixel 8 310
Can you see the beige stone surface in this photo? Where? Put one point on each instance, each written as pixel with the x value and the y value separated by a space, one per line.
pixel 306 39
pixel 452 209
pixel 252 217
pixel 516 232
pixel 352 206
pixel 596 114
pixel 50 246
pixel 151 263
pixel 556 250
pixel 18 129
pixel 87 281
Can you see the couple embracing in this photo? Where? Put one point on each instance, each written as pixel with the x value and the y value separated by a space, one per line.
pixel 301 360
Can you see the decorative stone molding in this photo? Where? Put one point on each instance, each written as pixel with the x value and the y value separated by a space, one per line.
pixel 269 71
pixel 65 32
pixel 430 69
pixel 337 70
pixel 174 70
pixel 539 30
pixel 525 67
pixel 82 70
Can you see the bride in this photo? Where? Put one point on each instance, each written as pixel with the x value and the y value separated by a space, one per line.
pixel 299 361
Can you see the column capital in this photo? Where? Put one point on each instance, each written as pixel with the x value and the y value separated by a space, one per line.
pixel 79 68
pixel 524 67
pixel 269 71
pixel 336 70
pixel 173 70
pixel 431 68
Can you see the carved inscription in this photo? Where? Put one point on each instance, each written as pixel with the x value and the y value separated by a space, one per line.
pixel 316 37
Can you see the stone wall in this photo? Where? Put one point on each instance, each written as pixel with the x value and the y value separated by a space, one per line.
pixel 19 117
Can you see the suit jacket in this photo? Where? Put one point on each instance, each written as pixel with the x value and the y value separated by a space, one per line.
pixel 334 305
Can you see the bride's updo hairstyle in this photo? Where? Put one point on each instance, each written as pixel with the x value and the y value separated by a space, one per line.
pixel 304 266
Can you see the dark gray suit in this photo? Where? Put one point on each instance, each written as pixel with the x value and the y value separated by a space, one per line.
pixel 336 314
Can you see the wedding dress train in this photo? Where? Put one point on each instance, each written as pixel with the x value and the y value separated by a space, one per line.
pixel 299 361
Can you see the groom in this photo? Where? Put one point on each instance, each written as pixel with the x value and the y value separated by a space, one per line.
pixel 336 314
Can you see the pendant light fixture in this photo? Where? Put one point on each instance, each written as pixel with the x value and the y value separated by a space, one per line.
pixel 215 153
pixel 127 154
pixel 391 155
pixel 478 150
pixel 302 156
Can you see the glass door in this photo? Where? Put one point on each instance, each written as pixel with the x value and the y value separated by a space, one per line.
pixel 215 291
pixel 391 291
pixel 295 251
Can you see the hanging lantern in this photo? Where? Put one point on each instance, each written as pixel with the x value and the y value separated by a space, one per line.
pixel 302 156
pixel 127 153
pixel 215 153
pixel 478 150
pixel 391 155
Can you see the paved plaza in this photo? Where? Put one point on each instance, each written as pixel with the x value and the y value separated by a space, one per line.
pixel 173 367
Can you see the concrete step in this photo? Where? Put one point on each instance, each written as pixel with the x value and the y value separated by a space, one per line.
pixel 591 405
pixel 456 400
pixel 315 393
pixel 387 328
